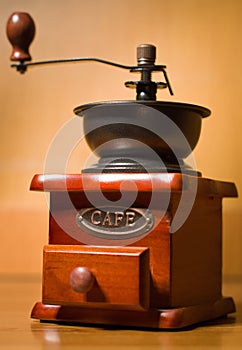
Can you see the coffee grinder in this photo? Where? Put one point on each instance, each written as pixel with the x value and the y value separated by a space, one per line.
pixel 135 239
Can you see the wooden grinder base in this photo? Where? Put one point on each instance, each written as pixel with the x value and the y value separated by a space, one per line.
pixel 162 280
pixel 164 319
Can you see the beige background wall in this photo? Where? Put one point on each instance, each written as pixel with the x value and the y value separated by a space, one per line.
pixel 200 41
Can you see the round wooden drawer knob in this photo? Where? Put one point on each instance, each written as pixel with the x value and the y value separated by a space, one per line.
pixel 81 280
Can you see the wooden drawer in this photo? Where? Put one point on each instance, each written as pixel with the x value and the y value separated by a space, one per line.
pixel 96 276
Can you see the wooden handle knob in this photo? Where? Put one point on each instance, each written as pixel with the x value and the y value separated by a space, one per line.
pixel 20 33
pixel 81 280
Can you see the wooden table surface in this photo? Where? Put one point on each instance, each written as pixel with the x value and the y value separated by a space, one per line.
pixel 18 331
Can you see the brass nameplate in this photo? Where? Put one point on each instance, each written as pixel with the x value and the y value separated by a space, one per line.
pixel 115 223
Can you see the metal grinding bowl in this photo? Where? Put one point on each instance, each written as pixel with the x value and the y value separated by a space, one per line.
pixel 133 135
